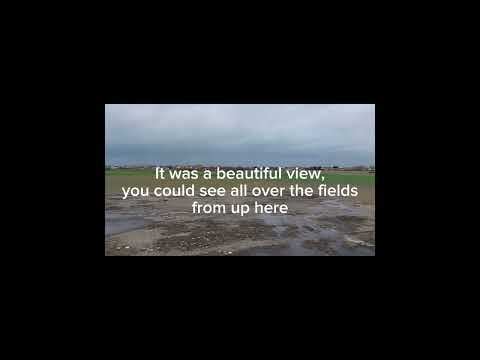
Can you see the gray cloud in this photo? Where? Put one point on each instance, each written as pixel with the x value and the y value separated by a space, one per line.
pixel 342 134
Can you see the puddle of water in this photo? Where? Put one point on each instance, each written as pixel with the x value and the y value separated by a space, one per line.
pixel 119 223
pixel 314 235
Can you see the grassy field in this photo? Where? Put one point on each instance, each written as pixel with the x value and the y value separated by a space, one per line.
pixel 115 179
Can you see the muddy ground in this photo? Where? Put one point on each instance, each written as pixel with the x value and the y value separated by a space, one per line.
pixel 313 226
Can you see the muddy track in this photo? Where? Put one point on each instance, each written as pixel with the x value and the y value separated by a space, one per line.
pixel 313 226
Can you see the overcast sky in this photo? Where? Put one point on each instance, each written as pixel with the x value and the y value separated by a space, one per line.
pixel 238 134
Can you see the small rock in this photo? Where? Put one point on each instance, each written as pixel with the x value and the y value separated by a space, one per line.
pixel 127 247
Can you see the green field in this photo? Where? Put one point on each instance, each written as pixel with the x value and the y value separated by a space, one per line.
pixel 115 179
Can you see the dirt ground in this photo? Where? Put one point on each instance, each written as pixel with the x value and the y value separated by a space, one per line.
pixel 313 226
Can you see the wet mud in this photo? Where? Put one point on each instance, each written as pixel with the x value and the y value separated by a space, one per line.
pixel 167 227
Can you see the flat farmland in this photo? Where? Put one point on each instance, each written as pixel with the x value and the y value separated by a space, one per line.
pixel 115 179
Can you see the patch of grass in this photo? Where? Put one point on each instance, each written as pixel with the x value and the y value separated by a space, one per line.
pixel 130 172
pixel 115 179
